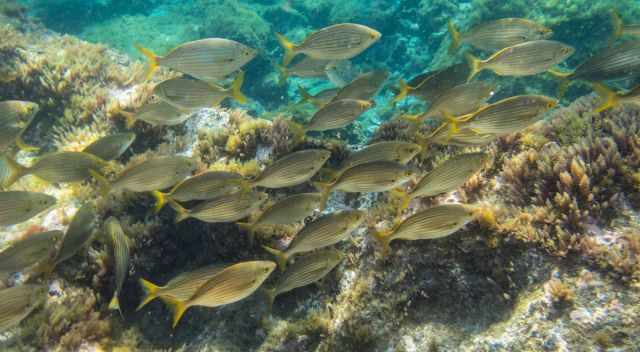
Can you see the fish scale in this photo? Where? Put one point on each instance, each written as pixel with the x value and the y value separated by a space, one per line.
pixel 292 169
pixel 16 303
pixel 378 176
pixel 449 175
pixel 435 222
pixel 120 245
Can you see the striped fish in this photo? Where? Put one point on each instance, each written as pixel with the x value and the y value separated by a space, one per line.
pixel 21 254
pixel 523 59
pixel 498 34
pixel 78 234
pixel 16 303
pixel 325 231
pixel 364 87
pixel 111 147
pixel 337 114
pixel 20 206
pixel 227 208
pixel 210 59
pixel 186 94
pixel 320 99
pixel 436 222
pixel 337 42
pixel 231 285
pixel 308 67
pixel 205 186
pixel 377 176
pixel 120 244
pixel 464 137
pixel 396 151
pixel 621 61
pixel 15 117
pixel 287 211
pixel 448 176
pixel 509 115
pixel 610 98
pixel 150 175
pixel 306 270
pixel 459 100
pixel 428 86
pixel 58 167
pixel 158 113
pixel 181 287
pixel 292 169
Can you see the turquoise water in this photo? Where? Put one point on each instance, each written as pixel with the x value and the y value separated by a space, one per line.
pixel 515 209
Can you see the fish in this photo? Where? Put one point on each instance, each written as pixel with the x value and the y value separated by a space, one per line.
pixel 337 42
pixel 507 116
pixel 459 100
pixel 364 87
pixel 21 254
pixel 16 303
pixel 618 62
pixel 57 167
pixel 524 59
pixel 308 67
pixel 231 285
pixel 205 186
pixel 187 94
pixel 337 114
pixel 320 99
pixel 446 177
pixel 620 29
pixel 209 59
pixel 78 233
pixel 287 211
pixel 292 169
pixel 15 118
pixel 376 176
pixel 120 243
pixel 181 287
pixel 158 113
pixel 428 86
pixel 20 206
pixel 396 151
pixel 341 72
pixel 435 222
pixel 111 147
pixel 226 208
pixel 464 137
pixel 610 98
pixel 325 231
pixel 306 270
pixel 153 174
pixel 498 34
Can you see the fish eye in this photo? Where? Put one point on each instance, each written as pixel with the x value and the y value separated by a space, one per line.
pixel 550 104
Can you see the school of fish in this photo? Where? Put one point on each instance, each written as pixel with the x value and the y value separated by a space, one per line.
pixel 212 72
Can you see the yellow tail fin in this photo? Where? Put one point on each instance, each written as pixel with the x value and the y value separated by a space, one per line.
pixel 103 183
pixel 563 78
pixel 384 239
pixel 608 97
pixel 289 49
pixel 306 97
pixel 325 189
pixel 453 124
pixel 114 304
pixel 284 75
pixel 150 293
pixel 182 213
pixel 161 200
pixel 617 27
pixel 178 308
pixel 250 229
pixel 152 59
pixel 16 171
pixel 404 198
pixel 475 65
pixel 455 37
pixel 24 146
pixel 129 118
pixel 236 93
pixel 281 257
pixel 403 93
